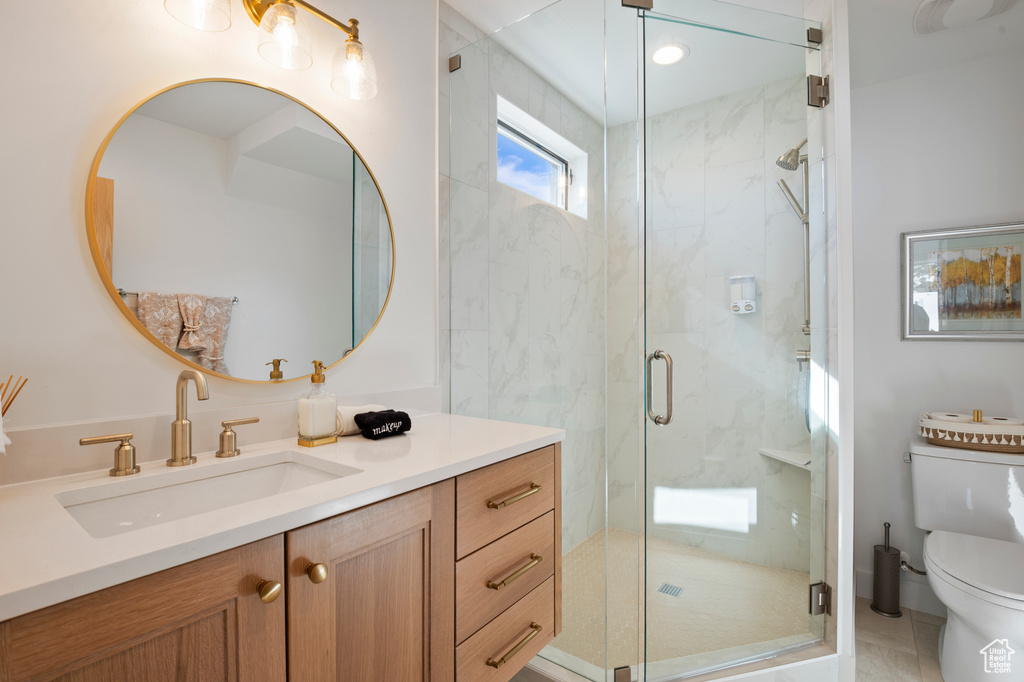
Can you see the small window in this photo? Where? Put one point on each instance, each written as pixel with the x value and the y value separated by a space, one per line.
pixel 535 159
pixel 528 166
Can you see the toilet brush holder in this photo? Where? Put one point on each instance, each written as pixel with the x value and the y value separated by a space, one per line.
pixel 886 591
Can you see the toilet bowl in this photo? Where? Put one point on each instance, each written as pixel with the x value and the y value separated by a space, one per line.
pixel 981 582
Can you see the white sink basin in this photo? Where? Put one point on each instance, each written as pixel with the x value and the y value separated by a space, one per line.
pixel 130 504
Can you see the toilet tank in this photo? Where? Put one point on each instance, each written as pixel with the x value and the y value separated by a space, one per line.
pixel 968 491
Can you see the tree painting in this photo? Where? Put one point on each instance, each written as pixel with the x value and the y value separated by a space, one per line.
pixel 978 283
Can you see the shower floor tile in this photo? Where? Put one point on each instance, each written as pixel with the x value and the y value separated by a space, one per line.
pixel 724 603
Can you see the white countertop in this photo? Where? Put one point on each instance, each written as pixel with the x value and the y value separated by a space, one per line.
pixel 46 557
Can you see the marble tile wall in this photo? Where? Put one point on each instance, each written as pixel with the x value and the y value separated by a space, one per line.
pixel 713 211
pixel 522 282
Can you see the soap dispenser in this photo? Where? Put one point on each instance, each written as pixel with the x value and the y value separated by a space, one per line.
pixel 318 412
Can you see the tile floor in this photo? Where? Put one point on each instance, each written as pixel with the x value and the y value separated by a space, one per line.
pixel 888 649
pixel 897 649
pixel 711 613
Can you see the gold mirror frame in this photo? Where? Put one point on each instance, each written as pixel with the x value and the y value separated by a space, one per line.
pixel 107 278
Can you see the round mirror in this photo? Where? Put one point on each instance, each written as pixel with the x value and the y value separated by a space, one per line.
pixel 234 226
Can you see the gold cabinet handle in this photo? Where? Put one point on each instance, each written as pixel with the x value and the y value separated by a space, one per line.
pixel 535 629
pixel 534 488
pixel 317 573
pixel 269 590
pixel 534 560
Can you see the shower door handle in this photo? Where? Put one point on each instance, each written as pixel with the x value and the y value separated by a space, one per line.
pixel 657 418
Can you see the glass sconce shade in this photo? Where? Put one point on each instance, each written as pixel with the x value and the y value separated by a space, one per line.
pixel 284 38
pixel 206 15
pixel 353 74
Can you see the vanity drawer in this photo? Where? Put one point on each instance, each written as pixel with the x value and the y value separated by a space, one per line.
pixel 501 636
pixel 496 500
pixel 475 602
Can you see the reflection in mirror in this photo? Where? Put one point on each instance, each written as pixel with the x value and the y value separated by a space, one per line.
pixel 240 227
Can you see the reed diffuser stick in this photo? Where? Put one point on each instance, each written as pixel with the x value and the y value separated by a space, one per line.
pixel 3 393
pixel 14 395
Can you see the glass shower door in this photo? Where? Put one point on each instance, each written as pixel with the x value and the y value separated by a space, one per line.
pixel 733 522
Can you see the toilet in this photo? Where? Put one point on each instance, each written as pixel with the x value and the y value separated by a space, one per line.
pixel 972 503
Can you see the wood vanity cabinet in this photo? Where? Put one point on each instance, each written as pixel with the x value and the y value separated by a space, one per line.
pixel 385 609
pixel 508 574
pixel 394 591
pixel 405 595
pixel 199 621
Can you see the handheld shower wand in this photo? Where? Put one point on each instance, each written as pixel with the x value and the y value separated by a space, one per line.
pixel 790 161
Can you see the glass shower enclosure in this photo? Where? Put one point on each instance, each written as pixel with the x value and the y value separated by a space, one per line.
pixel 656 287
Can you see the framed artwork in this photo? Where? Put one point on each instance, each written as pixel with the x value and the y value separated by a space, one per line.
pixel 963 284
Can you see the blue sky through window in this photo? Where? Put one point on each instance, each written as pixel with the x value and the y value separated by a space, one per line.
pixel 526 170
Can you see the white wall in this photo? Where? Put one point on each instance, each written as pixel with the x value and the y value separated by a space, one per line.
pixel 77 69
pixel 935 150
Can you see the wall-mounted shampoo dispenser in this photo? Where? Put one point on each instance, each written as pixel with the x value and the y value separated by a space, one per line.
pixel 743 294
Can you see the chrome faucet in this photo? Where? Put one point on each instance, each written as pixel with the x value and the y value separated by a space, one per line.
pixel 181 427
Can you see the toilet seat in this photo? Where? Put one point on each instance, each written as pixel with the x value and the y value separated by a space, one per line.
pixel 985 568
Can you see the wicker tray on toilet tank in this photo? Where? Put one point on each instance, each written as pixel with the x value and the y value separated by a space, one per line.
pixel 970 435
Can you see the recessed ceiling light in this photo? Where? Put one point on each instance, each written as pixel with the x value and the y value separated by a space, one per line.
pixel 670 54
pixel 938 15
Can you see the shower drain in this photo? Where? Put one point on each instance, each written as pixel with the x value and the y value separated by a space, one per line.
pixel 670 590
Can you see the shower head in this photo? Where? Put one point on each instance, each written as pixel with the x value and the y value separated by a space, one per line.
pixel 791 160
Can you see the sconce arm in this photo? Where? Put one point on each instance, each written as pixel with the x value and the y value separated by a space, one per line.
pixel 352 28
pixel 257 8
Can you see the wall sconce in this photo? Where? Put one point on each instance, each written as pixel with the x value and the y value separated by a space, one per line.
pixel 284 42
pixel 284 39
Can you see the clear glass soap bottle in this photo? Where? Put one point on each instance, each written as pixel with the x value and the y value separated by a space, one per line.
pixel 318 412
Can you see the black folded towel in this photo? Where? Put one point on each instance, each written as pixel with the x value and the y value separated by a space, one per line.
pixel 377 425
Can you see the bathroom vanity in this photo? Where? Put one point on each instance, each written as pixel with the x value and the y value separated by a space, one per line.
pixel 439 560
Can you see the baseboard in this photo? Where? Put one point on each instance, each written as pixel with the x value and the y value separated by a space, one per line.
pixel 915 594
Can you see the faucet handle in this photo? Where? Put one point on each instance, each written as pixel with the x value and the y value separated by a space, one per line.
pixel 124 454
pixel 228 448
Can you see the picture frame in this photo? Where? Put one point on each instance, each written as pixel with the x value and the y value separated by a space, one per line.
pixel 962 284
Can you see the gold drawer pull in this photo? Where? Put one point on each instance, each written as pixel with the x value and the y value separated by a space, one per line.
pixel 534 488
pixel 535 629
pixel 534 560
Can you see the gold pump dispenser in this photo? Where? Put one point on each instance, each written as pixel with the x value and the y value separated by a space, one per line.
pixel 318 412
pixel 276 374
pixel 318 373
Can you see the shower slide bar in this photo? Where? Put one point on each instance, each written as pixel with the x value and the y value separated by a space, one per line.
pixel 790 161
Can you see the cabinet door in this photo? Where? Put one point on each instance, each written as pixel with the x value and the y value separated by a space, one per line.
pixel 386 608
pixel 200 621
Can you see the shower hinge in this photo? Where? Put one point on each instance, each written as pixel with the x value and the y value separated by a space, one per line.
pixel 638 4
pixel 623 674
pixel 454 63
pixel 815 36
pixel 817 91
pixel 821 599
